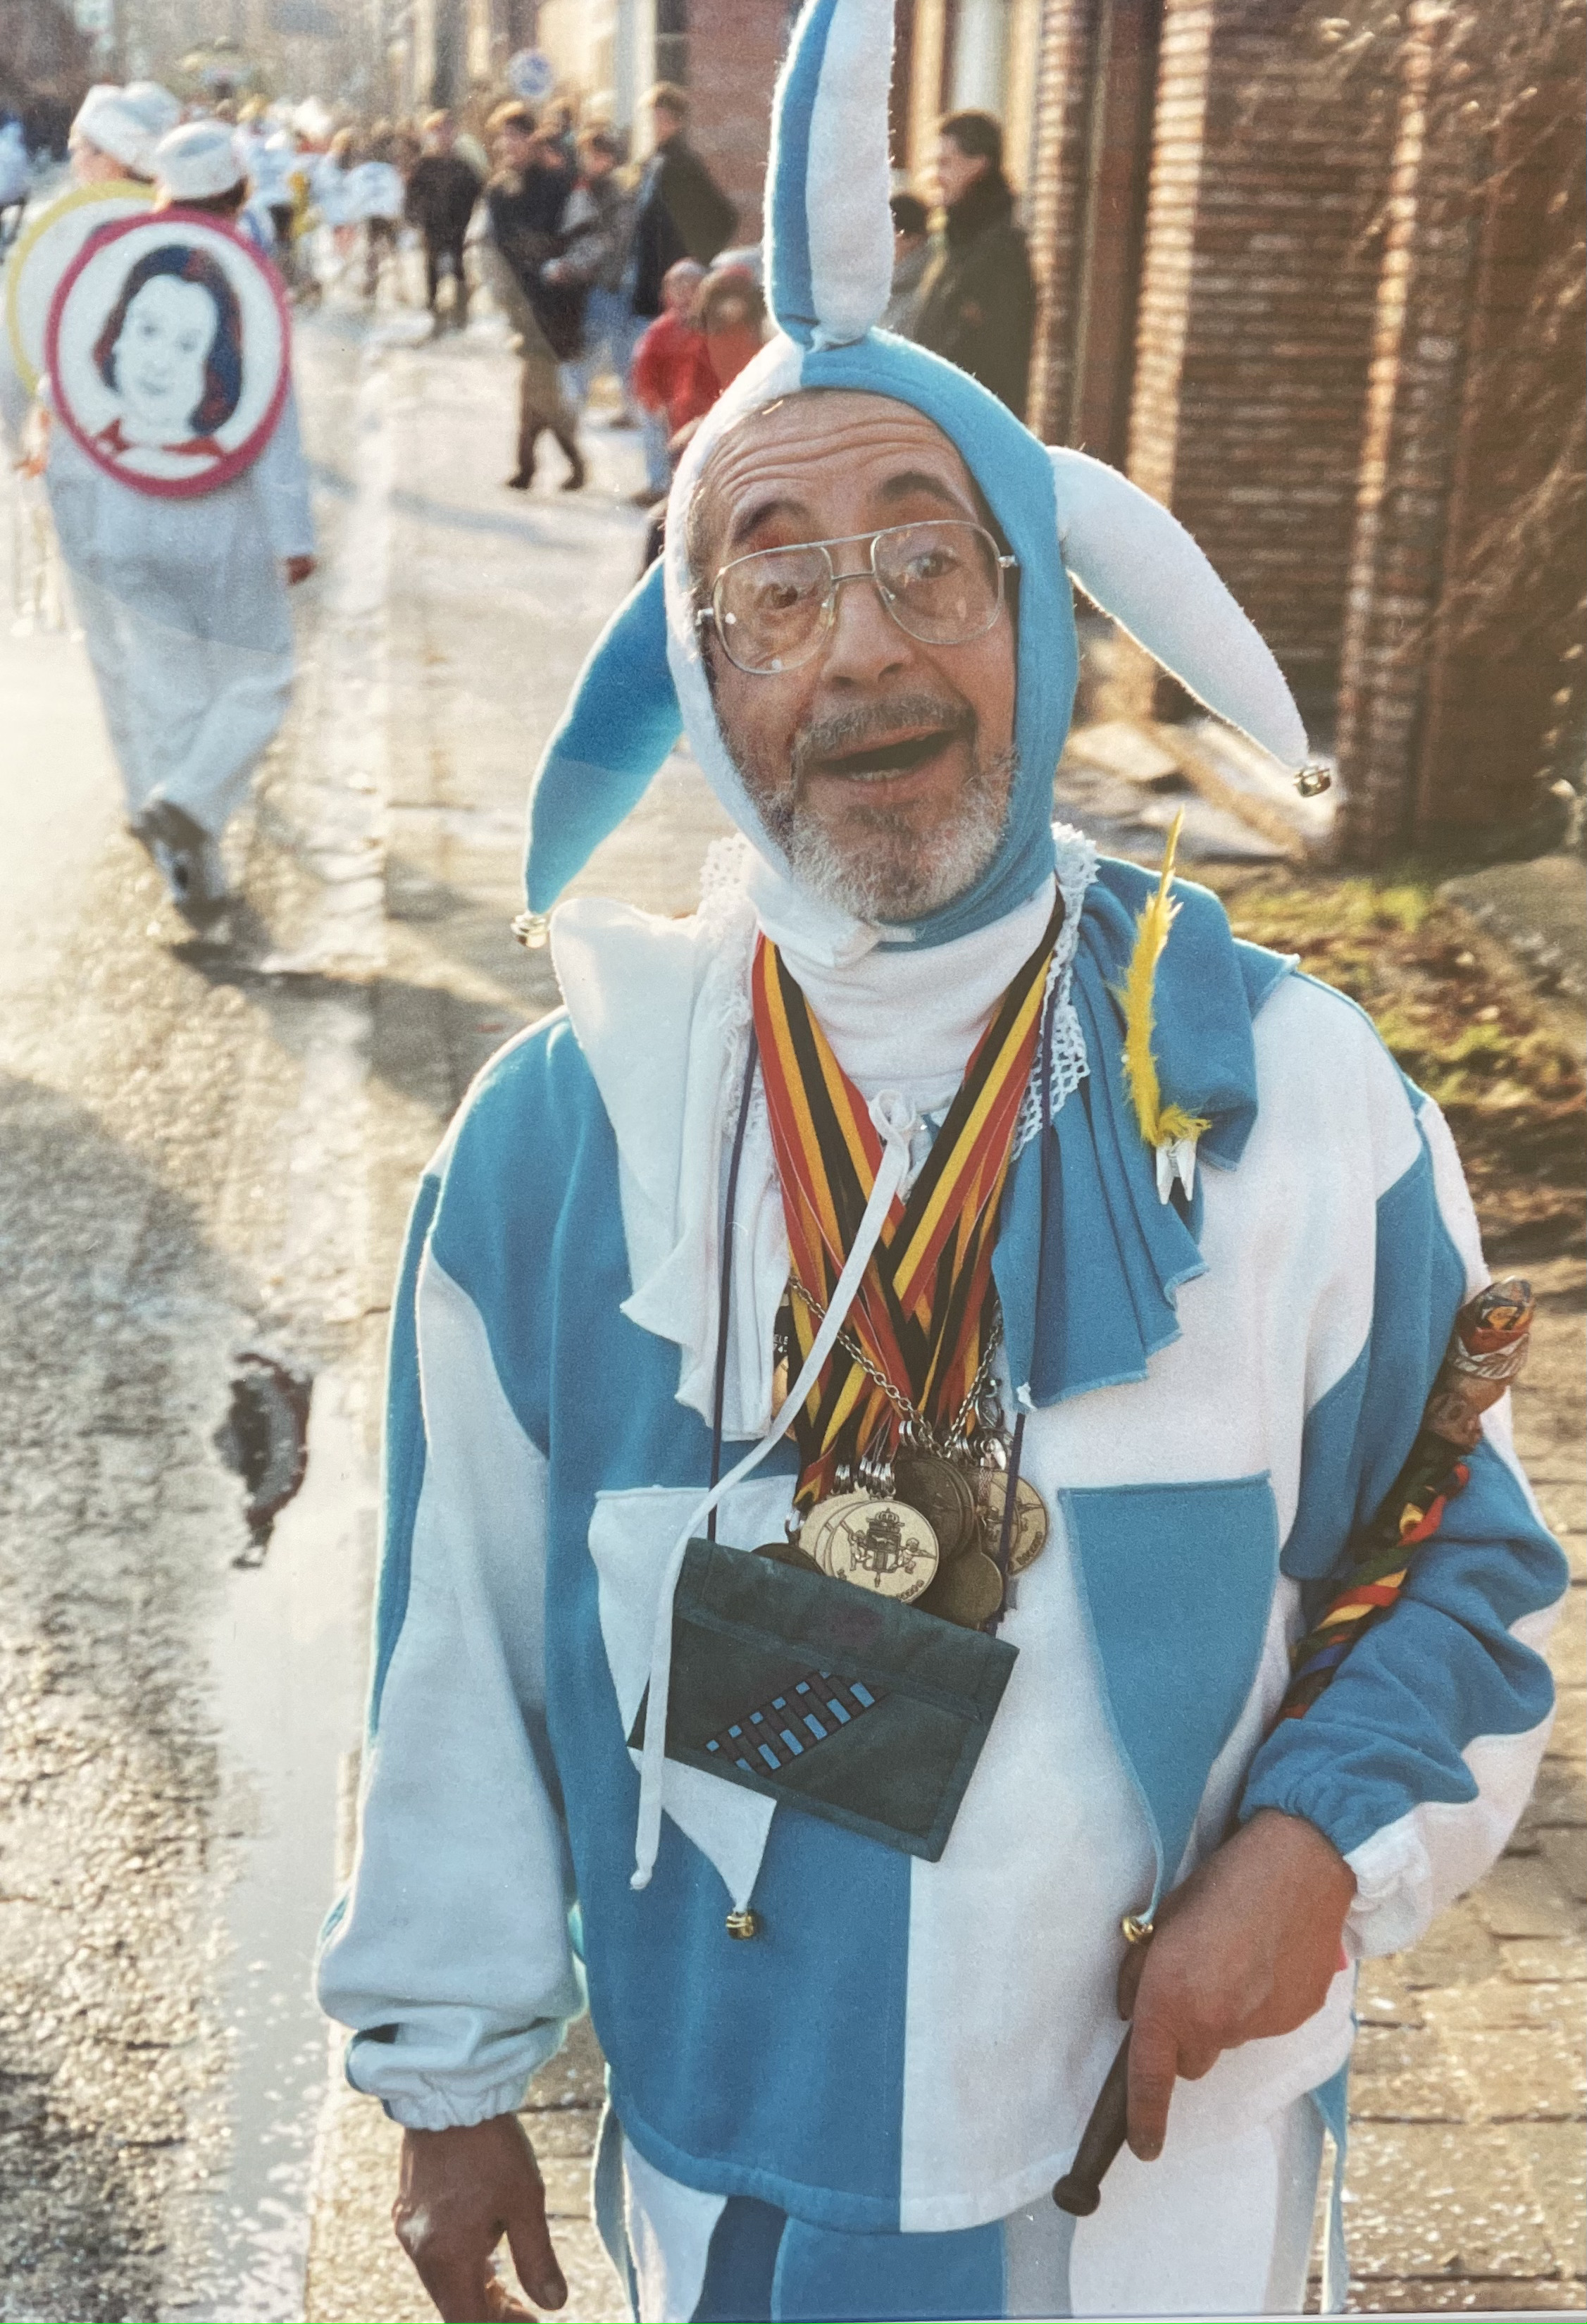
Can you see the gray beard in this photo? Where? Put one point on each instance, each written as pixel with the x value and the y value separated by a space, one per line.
pixel 887 873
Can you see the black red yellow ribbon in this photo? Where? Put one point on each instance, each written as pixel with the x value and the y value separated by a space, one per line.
pixel 923 1308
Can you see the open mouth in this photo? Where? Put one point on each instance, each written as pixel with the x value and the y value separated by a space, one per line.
pixel 899 756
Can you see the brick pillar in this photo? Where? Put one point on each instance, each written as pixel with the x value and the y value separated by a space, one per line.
pixel 1131 687
pixel 734 48
pixel 1408 447
pixel 1096 71
pixel 1256 316
pixel 929 63
pixel 1056 207
pixel 1504 683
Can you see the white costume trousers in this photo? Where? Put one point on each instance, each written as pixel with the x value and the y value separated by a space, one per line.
pixel 184 604
pixel 1221 2229
pixel 190 714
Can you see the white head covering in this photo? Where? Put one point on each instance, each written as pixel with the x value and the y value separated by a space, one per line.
pixel 154 105
pixel 128 124
pixel 198 161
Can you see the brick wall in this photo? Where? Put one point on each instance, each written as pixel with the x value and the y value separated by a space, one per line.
pixel 734 48
pixel 1359 370
pixel 1504 680
pixel 1055 206
pixel 1257 313
pixel 1407 452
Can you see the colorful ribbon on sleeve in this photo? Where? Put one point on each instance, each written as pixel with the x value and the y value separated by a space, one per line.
pixel 1487 1349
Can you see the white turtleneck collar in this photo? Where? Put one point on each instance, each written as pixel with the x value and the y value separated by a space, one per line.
pixel 661 1010
pixel 897 1018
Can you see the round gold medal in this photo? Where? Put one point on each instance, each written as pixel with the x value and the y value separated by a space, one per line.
pixel 945 1497
pixel 969 1591
pixel 822 1519
pixel 1027 1534
pixel 881 1546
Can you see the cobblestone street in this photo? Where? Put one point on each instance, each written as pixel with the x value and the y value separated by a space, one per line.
pixel 202 1156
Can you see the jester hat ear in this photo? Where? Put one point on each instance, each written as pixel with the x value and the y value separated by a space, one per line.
pixel 828 225
pixel 616 733
pixel 1140 566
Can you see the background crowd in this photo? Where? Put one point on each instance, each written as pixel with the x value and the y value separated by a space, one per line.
pixel 605 268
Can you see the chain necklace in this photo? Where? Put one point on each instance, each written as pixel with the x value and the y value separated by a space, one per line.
pixel 980 1405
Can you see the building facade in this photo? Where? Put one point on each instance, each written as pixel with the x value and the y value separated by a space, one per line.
pixel 1314 280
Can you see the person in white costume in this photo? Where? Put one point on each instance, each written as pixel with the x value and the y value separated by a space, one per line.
pixel 853 1879
pixel 113 135
pixel 116 130
pixel 184 600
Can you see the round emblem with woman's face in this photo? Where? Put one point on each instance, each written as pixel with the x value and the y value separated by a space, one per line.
pixel 169 352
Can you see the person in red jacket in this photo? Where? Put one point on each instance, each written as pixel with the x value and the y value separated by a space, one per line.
pixel 732 315
pixel 672 377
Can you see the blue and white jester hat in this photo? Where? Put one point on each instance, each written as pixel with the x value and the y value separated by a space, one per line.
pixel 828 271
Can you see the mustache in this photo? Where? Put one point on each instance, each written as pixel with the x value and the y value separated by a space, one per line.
pixel 869 724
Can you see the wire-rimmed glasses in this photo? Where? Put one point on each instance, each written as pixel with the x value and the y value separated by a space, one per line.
pixel 942 582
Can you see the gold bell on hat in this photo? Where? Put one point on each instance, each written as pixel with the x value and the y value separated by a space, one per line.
pixel 1313 778
pixel 743 1925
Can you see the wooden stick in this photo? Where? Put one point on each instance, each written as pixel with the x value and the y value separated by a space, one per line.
pixel 1080 2189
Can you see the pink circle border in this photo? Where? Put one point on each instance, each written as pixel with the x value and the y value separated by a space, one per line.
pixel 233 463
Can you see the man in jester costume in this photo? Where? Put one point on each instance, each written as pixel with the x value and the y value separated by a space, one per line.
pixel 881 1380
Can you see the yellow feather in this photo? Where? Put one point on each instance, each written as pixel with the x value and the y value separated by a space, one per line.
pixel 1160 1124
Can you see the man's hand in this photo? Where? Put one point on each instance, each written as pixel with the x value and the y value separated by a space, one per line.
pixel 1248 1947
pixel 299 568
pixel 461 2191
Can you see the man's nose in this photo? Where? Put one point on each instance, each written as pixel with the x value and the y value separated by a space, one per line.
pixel 864 642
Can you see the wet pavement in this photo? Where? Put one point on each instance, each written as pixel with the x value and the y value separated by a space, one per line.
pixel 181 1146
pixel 204 1154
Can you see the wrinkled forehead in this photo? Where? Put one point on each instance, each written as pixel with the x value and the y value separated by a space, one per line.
pixel 822 462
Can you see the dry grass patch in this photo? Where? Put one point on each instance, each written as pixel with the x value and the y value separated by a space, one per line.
pixel 1504 1064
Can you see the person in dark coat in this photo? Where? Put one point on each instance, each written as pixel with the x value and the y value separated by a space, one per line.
pixel 525 199
pixel 681 212
pixel 911 256
pixel 977 303
pixel 596 240
pixel 442 190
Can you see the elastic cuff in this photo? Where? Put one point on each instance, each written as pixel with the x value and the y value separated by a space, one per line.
pixel 452 2110
pixel 1394 1887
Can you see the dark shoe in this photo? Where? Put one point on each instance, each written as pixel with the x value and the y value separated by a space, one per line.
pixel 520 480
pixel 645 498
pixel 574 481
pixel 189 861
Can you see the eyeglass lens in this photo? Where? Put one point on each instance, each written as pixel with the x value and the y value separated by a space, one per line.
pixel 941 582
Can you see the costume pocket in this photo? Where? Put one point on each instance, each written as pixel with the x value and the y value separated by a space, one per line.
pixel 822 1697
pixel 1178 1581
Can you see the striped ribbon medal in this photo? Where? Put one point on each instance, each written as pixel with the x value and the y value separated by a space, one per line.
pixel 903 1381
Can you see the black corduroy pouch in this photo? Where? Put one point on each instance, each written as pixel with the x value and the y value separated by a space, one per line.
pixel 827 1698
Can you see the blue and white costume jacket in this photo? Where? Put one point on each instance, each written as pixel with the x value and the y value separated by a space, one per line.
pixel 1222 1377
pixel 1217 1387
